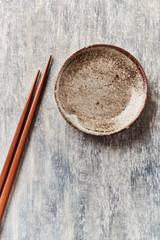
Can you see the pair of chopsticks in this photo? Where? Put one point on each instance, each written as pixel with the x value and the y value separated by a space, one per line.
pixel 16 149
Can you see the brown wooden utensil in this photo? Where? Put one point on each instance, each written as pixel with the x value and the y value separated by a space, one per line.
pixel 16 149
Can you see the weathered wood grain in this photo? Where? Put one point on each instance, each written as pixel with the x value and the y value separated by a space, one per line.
pixel 73 186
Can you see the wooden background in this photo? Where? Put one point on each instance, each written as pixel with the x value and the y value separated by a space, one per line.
pixel 73 186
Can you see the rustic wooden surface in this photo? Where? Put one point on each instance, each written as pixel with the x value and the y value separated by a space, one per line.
pixel 72 186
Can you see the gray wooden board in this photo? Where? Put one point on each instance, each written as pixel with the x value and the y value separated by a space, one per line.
pixel 72 186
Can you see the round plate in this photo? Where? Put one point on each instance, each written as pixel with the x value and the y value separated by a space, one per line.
pixel 101 89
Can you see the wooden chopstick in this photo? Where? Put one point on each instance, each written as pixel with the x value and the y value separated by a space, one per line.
pixel 14 166
pixel 16 137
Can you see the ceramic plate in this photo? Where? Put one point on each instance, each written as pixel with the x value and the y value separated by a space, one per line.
pixel 101 89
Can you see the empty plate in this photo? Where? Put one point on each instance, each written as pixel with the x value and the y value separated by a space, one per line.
pixel 101 89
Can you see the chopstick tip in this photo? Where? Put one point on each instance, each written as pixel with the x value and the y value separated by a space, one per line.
pixel 50 60
pixel 38 73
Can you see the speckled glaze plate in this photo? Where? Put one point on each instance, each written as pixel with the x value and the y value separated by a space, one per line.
pixel 101 89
